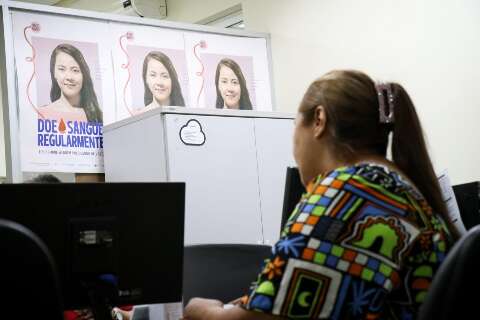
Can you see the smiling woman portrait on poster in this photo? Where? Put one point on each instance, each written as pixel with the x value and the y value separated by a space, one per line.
pixel 72 94
pixel 160 81
pixel 232 92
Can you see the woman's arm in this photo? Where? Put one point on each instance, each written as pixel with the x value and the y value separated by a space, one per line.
pixel 199 309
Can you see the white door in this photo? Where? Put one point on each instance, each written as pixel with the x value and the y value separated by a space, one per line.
pixel 216 158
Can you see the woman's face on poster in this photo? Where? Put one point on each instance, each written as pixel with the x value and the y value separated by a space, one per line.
pixel 68 75
pixel 229 87
pixel 158 81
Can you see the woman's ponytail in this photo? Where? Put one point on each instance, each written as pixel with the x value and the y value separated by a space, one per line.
pixel 409 152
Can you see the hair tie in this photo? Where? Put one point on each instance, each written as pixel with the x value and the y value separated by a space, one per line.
pixel 385 100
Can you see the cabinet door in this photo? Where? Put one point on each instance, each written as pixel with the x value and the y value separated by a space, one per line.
pixel 135 152
pixel 274 154
pixel 222 195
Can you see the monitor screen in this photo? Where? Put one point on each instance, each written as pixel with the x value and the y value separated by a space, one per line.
pixel 123 238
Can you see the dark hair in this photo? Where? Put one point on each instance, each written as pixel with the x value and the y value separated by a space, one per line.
pixel 45 178
pixel 244 103
pixel 351 104
pixel 176 98
pixel 88 98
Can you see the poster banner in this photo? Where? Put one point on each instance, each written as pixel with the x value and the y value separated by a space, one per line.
pixel 228 72
pixel 150 68
pixel 75 75
pixel 65 91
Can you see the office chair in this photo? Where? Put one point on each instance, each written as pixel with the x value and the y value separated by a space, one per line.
pixel 30 288
pixel 293 193
pixel 453 291
pixel 221 271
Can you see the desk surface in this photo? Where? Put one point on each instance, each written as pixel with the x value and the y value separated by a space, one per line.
pixel 163 311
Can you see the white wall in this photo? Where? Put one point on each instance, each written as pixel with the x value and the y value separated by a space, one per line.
pixel 93 5
pixel 196 10
pixel 190 11
pixel 429 46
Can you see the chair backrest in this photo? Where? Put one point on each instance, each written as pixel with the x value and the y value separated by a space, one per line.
pixel 455 285
pixel 468 200
pixel 293 192
pixel 221 271
pixel 27 276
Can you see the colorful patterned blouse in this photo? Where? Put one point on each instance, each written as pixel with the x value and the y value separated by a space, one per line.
pixel 361 244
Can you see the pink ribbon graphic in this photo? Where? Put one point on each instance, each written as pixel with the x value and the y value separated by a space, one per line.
pixel 127 36
pixel 203 45
pixel 35 27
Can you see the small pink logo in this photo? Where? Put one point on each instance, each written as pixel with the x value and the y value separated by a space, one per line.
pixel 35 27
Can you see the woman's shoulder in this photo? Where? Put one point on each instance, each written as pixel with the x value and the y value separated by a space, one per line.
pixel 361 190
pixel 49 111
pixel 143 109
pixel 56 110
pixel 55 105
pixel 364 176
pixel 60 106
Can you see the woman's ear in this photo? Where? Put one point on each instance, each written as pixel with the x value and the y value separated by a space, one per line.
pixel 320 121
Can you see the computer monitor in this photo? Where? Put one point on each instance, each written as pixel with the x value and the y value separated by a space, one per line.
pixel 123 240
pixel 468 200
pixel 293 192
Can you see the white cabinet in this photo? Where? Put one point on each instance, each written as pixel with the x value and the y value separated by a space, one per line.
pixel 233 163
pixel 221 175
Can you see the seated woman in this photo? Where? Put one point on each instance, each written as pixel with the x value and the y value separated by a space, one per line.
pixel 369 235
pixel 160 80
pixel 72 94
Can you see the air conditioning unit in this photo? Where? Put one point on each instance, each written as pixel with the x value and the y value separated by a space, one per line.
pixel 156 9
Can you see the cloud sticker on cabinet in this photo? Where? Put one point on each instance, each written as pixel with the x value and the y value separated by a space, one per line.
pixel 192 133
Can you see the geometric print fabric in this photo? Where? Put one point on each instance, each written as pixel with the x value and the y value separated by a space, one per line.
pixel 360 237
